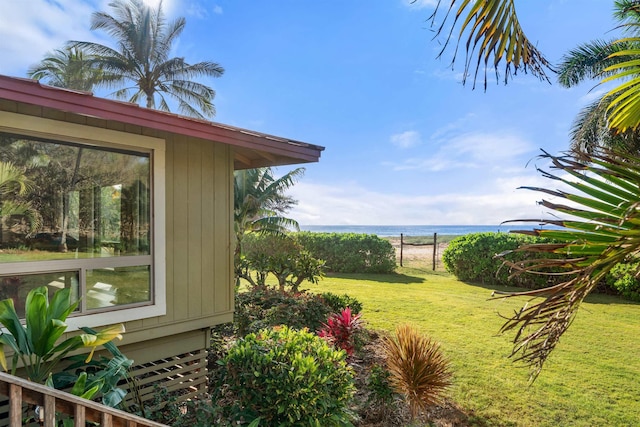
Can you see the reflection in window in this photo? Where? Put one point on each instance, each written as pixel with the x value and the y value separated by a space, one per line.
pixel 17 287
pixel 107 287
pixel 79 209
pixel 82 201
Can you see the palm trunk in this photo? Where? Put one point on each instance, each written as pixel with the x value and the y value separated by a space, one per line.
pixel 65 204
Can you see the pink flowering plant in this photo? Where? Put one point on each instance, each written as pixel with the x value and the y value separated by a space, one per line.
pixel 341 330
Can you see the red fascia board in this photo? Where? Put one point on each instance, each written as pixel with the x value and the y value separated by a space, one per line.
pixel 32 92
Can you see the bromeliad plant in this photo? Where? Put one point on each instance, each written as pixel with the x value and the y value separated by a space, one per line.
pixel 34 344
pixel 604 206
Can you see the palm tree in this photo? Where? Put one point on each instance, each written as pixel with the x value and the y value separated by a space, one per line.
pixel 602 232
pixel 605 225
pixel 495 31
pixel 142 62
pixel 14 183
pixel 259 202
pixel 589 61
pixel 69 68
pixel 494 34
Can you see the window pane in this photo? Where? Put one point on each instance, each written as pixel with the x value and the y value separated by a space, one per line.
pixel 108 287
pixel 66 201
pixel 17 287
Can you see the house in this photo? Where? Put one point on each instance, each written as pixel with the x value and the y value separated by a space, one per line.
pixel 134 212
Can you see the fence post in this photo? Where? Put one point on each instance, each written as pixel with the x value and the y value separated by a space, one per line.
pixel 435 250
pixel 401 243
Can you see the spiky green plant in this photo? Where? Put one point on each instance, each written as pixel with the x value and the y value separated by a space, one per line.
pixel 419 371
pixel 602 229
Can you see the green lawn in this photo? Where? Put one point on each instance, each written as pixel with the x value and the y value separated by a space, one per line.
pixel 591 379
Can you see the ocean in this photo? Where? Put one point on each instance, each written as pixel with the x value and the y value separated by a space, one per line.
pixel 415 230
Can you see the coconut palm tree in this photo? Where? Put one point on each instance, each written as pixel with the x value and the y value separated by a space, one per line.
pixel 494 37
pixel 142 59
pixel 259 202
pixel 589 61
pixel 69 68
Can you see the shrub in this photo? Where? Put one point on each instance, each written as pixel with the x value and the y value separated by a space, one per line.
pixel 378 383
pixel 340 302
pixel 417 368
pixel 623 279
pixel 350 252
pixel 341 330
pixel 280 256
pixel 285 377
pixel 262 308
pixel 471 257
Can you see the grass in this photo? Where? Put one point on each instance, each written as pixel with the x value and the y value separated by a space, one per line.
pixel 590 379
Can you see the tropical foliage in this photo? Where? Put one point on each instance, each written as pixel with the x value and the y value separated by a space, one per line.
pixel 341 330
pixel 34 345
pixel 602 230
pixel 285 377
pixel 260 201
pixel 280 256
pixel 142 63
pixel 493 34
pixel 264 308
pixel 13 182
pixel 473 258
pixel 418 369
pixel 593 60
pixel 350 252
pixel 70 68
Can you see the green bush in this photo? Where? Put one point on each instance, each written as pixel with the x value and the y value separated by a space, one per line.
pixel 285 377
pixel 471 257
pixel 281 256
pixel 337 303
pixel 261 308
pixel 623 279
pixel 350 252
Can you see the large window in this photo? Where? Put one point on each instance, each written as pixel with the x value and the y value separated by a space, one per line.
pixel 79 216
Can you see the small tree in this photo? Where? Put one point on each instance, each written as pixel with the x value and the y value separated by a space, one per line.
pixel 280 256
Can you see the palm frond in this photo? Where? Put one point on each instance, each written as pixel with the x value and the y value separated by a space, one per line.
pixel 602 229
pixel 624 107
pixel 493 29
pixel 589 61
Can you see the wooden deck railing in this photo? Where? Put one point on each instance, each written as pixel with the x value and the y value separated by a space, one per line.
pixel 20 391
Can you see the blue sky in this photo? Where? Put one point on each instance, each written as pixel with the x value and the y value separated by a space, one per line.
pixel 405 142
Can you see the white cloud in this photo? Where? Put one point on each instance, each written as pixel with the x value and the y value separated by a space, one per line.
pixel 351 204
pixel 406 139
pixel 196 10
pixel 217 10
pixel 592 96
pixel 31 28
pixel 499 150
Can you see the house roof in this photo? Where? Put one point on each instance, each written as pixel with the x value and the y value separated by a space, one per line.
pixel 251 149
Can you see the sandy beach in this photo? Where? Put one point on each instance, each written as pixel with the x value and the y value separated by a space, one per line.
pixel 418 256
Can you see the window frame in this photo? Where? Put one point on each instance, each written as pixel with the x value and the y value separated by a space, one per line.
pixel 54 130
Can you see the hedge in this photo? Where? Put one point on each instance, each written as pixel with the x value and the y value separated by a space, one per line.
pixel 472 258
pixel 350 252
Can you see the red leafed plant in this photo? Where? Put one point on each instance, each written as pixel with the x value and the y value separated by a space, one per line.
pixel 341 329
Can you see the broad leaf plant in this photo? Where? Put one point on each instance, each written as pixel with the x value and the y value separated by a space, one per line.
pixel 602 229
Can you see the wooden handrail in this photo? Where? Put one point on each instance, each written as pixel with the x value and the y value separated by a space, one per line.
pixel 55 401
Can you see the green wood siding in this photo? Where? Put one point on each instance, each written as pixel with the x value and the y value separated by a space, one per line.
pixel 198 231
